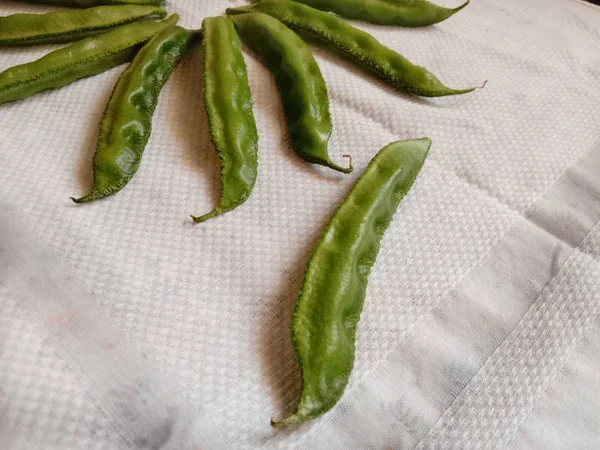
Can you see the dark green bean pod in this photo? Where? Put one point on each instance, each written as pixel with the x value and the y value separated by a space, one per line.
pixel 300 83
pixel 333 292
pixel 91 3
pixel 228 105
pixel 358 46
pixel 127 121
pixel 64 26
pixel 82 59
pixel 404 13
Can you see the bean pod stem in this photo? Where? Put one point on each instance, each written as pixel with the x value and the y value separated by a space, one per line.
pixel 356 45
pixel 228 104
pixel 88 57
pixel 127 121
pixel 64 26
pixel 333 292
pixel 299 81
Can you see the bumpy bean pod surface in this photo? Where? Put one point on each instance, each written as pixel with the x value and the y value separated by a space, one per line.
pixel 127 121
pixel 333 292
pixel 228 105
pixel 404 13
pixel 90 3
pixel 64 26
pixel 358 46
pixel 82 59
pixel 299 81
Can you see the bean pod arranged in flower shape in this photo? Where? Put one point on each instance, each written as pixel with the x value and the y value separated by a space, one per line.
pixel 114 32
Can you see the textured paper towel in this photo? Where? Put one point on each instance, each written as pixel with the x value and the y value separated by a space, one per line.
pixel 481 320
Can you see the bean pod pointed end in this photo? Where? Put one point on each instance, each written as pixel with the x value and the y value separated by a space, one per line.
pixel 292 420
pixel 86 199
pixel 348 169
pixel 205 217
pixel 458 8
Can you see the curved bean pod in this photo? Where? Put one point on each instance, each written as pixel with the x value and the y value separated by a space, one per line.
pixel 333 292
pixel 404 13
pixel 64 26
pixel 127 121
pixel 90 3
pixel 228 105
pixel 82 59
pixel 359 47
pixel 300 83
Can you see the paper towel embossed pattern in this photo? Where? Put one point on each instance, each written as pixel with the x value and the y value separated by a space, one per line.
pixel 359 47
pixel 300 83
pixel 333 292
pixel 229 109
pixel 82 59
pixel 64 26
pixel 405 13
pixel 127 121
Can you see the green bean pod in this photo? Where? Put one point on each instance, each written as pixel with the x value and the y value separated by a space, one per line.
pixel 228 104
pixel 404 13
pixel 64 26
pixel 91 3
pixel 127 121
pixel 300 83
pixel 359 47
pixel 82 59
pixel 333 292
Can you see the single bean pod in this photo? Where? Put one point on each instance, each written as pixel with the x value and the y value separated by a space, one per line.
pixel 127 121
pixel 82 59
pixel 333 292
pixel 404 13
pixel 359 47
pixel 69 25
pixel 91 3
pixel 228 104
pixel 300 83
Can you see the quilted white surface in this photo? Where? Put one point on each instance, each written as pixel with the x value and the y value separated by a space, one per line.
pixel 125 326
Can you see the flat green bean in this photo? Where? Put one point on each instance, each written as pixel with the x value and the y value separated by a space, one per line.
pixel 69 25
pixel 404 13
pixel 332 295
pixel 127 121
pixel 300 83
pixel 357 46
pixel 82 59
pixel 228 104
pixel 91 3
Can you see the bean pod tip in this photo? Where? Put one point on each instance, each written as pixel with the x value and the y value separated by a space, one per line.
pixel 346 170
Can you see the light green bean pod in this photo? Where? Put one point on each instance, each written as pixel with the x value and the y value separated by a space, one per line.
pixel 335 283
pixel 68 25
pixel 356 45
pixel 404 13
pixel 228 104
pixel 301 86
pixel 91 3
pixel 82 59
pixel 127 121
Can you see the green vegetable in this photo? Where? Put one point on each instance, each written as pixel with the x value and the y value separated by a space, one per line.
pixel 228 105
pixel 90 3
pixel 127 121
pixel 405 13
pixel 358 46
pixel 82 59
pixel 69 25
pixel 332 294
pixel 300 83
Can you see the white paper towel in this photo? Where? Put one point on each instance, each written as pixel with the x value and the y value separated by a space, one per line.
pixel 481 321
